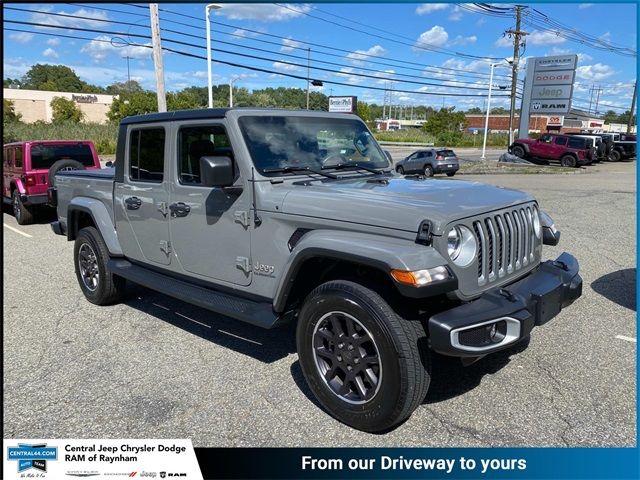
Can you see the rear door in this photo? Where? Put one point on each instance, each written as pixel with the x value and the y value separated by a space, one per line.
pixel 140 201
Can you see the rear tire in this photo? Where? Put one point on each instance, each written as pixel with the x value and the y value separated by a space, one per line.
pixel 518 151
pixel 568 161
pixel 90 256
pixel 615 156
pixel 24 215
pixel 368 367
pixel 450 174
pixel 400 170
pixel 428 171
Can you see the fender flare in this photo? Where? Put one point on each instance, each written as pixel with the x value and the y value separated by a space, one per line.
pixel 382 253
pixel 525 146
pixel 16 184
pixel 101 218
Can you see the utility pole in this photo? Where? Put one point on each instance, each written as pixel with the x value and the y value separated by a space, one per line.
pixel 308 73
pixel 599 90
pixel 128 74
pixel 517 35
pixel 633 106
pixel 157 57
pixel 591 90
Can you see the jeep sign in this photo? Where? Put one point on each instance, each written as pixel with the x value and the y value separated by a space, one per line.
pixel 343 104
pixel 551 92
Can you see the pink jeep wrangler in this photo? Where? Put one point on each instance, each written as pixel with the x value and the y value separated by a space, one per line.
pixel 29 168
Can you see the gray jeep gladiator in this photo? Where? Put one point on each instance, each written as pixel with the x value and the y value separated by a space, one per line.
pixel 270 216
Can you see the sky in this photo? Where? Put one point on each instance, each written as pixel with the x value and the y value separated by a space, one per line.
pixel 425 53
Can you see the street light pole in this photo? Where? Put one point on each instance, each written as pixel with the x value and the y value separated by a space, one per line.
pixel 231 80
pixel 486 118
pixel 308 73
pixel 207 10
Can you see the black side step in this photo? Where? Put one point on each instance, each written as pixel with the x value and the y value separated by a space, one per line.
pixel 257 313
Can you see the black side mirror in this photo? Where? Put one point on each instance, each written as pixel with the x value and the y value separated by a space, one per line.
pixel 216 171
pixel 388 154
pixel 109 164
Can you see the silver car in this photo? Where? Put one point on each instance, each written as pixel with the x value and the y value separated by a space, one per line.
pixel 429 162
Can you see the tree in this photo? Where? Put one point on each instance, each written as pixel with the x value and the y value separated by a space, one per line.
pixel 499 111
pixel 363 111
pixel 56 78
pixel 119 88
pixel 11 82
pixel 474 111
pixel 446 121
pixel 137 103
pixel 65 110
pixel 610 117
pixel 9 112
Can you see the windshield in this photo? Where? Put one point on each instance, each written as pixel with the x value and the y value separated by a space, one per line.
pixel 281 142
pixel 43 156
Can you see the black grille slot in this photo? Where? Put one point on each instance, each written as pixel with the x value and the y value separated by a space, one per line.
pixel 500 233
pixel 480 238
pixel 490 244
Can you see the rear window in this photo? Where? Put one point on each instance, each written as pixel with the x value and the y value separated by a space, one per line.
pixel 446 153
pixel 575 142
pixel 43 156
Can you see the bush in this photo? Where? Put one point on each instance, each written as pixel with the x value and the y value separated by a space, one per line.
pixel 9 112
pixel 103 136
pixel 65 110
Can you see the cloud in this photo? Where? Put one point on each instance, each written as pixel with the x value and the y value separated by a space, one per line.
pixel 22 37
pixel 100 47
pixel 347 73
pixel 595 72
pixel 358 56
pixel 426 8
pixel 504 42
pixel 53 42
pixel 456 14
pixel 460 40
pixel 50 53
pixel 285 66
pixel 85 18
pixel 582 6
pixel 240 32
pixel 288 45
pixel 262 12
pixel 435 37
pixel 544 38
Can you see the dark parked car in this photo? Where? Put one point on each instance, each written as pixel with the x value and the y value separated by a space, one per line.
pixel 430 161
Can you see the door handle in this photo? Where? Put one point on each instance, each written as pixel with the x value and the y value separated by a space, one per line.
pixel 133 203
pixel 179 209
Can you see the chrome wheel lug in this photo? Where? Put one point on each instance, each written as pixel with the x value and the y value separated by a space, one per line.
pixel 339 358
pixel 350 347
pixel 349 367
pixel 356 361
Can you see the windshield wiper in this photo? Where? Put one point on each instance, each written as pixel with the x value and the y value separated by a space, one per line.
pixel 354 166
pixel 306 170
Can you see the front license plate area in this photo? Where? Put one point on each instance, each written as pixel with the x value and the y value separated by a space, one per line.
pixel 548 304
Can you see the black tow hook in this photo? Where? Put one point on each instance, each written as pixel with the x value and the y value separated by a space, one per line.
pixel 507 294
pixel 561 265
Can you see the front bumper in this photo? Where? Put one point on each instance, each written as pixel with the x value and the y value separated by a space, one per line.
pixel 517 308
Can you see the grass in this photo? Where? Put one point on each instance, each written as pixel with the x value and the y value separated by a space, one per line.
pixel 414 135
pixel 103 136
pixel 492 168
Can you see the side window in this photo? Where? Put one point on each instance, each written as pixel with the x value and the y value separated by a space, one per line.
pixel 546 138
pixel 196 142
pixel 146 155
pixel 576 142
pixel 18 156
pixel 561 140
pixel 7 159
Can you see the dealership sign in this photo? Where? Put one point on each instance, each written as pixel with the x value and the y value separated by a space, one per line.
pixel 548 87
pixel 343 104
pixel 555 121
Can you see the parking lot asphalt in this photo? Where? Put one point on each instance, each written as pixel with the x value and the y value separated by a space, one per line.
pixel 154 367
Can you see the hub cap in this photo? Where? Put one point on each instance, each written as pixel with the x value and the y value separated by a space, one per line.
pixel 88 264
pixel 347 357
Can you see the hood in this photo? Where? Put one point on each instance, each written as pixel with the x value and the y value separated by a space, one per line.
pixel 402 203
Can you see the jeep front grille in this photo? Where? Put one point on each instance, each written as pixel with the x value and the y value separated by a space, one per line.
pixel 506 243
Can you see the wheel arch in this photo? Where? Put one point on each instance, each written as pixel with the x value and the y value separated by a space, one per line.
pixel 326 255
pixel 83 212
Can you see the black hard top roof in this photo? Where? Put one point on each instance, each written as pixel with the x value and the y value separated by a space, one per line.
pixel 177 115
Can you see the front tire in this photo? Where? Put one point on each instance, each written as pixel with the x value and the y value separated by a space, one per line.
pixel 568 161
pixel 90 256
pixel 24 215
pixel 367 366
pixel 518 151
pixel 450 174
pixel 615 156
pixel 400 170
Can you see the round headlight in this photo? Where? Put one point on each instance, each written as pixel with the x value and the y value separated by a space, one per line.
pixel 461 245
pixel 537 228
pixel 453 243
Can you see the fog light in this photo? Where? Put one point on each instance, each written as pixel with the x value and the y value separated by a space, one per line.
pixel 492 332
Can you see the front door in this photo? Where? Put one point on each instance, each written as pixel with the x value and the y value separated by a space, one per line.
pixel 140 201
pixel 210 227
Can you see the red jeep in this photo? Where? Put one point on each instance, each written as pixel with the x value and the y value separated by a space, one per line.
pixel 29 168
pixel 568 150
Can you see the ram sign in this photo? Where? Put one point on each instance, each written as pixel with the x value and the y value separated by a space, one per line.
pixel 343 104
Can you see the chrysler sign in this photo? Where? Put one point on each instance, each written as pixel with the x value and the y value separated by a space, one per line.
pixel 559 62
